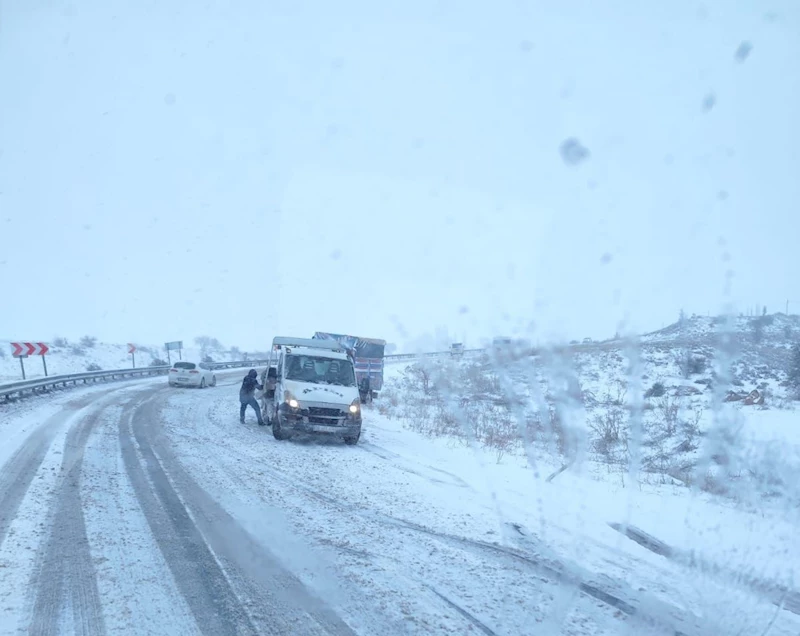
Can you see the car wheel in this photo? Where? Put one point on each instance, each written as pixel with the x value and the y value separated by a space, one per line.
pixel 202 383
pixel 213 380
pixel 352 441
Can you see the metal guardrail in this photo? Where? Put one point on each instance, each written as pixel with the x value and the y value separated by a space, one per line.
pixel 238 363
pixel 11 389
pixel 398 357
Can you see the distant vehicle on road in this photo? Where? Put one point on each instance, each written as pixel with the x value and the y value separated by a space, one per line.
pixel 185 373
pixel 312 389
pixel 457 349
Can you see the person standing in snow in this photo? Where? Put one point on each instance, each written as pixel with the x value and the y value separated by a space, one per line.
pixel 247 396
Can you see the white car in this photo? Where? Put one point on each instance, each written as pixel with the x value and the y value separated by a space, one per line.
pixel 185 373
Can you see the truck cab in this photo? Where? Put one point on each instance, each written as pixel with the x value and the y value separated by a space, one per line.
pixel 310 387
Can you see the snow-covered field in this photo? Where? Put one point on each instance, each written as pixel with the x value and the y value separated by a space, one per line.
pixel 140 509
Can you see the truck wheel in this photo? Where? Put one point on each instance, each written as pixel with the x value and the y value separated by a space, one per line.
pixel 277 432
pixel 352 441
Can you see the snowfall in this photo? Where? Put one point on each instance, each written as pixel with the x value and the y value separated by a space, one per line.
pixel 134 508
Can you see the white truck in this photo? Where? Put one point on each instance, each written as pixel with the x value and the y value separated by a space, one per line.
pixel 310 387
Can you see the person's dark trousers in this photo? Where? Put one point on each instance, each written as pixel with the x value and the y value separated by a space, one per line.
pixel 254 403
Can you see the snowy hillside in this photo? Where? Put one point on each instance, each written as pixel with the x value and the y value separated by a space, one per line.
pixel 85 355
pixel 774 328
pixel 682 410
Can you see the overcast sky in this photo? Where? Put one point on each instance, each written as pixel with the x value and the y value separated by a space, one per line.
pixel 247 169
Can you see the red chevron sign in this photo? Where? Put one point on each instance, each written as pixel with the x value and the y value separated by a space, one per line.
pixel 131 348
pixel 20 349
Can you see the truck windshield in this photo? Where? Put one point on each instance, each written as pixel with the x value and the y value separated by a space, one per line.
pixel 303 368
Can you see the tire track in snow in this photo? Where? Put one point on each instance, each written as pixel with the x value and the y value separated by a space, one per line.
pixel 375 558
pixel 649 614
pixel 199 577
pixel 66 578
pixel 646 610
pixel 552 571
pixel 232 586
pixel 470 617
pixel 777 594
pixel 395 460
pixel 19 471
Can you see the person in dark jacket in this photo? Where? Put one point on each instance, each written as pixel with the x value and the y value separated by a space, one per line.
pixel 247 396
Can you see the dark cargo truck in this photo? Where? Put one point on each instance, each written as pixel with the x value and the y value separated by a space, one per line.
pixel 368 354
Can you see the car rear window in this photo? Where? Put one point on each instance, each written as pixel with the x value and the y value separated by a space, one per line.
pixel 185 365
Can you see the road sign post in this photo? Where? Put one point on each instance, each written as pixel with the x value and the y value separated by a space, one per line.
pixel 177 345
pixel 132 351
pixel 24 349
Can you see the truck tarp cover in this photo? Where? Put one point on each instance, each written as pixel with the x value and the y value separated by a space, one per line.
pixel 364 347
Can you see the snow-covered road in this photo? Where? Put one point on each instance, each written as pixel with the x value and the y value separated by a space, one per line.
pixel 140 509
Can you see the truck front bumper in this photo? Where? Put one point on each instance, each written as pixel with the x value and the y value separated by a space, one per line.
pixel 301 421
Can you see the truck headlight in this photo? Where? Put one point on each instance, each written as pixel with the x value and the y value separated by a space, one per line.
pixel 355 407
pixel 291 400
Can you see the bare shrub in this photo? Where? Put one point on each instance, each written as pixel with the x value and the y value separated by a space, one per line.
pixel 609 440
pixel 60 342
pixel 462 403
pixel 668 409
pixel 690 363
pixel 479 381
pixel 93 366
pixel 501 436
pixel 88 342
pixel 418 378
pixel 714 485
pixel 389 402
pixel 446 422
pixel 657 390
pixel 794 371
pixel 76 350
pixel 671 434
